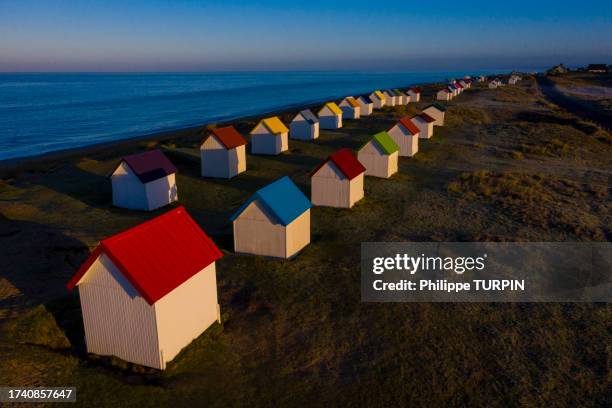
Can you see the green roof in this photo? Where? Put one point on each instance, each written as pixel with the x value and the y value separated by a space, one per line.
pixel 384 141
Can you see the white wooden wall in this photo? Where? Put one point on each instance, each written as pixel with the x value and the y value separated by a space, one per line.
pixel 436 114
pixel 128 191
pixel 161 192
pixel 407 142
pixel 256 232
pixel 186 312
pixel 377 162
pixel 117 320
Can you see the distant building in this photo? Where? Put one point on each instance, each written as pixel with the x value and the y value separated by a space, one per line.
pixel 379 156
pixel 599 68
pixel 146 293
pixel 304 126
pixel 269 136
pixel 350 108
pixel 338 181
pixel 493 84
pixel 378 99
pixel 406 135
pixel 425 124
pixel 223 153
pixel 275 221
pixel 366 105
pixel 144 181
pixel 436 111
pixel 444 95
pixel 330 116
pixel 415 94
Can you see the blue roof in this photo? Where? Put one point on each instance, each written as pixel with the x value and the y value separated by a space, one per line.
pixel 282 198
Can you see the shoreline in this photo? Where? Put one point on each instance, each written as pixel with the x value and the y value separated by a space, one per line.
pixel 17 163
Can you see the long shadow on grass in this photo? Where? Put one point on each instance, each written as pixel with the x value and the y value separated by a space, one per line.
pixel 91 189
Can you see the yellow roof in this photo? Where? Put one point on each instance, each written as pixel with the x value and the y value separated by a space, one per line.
pixel 380 95
pixel 353 102
pixel 273 124
pixel 332 107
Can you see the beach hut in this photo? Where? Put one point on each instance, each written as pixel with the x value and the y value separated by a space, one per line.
pixel 274 221
pixel 390 97
pixel 459 87
pixel 366 106
pixel 453 89
pixel 378 99
pixel 379 156
pixel 493 84
pixel 406 135
pixel 350 108
pixel 144 181
pixel 402 98
pixel 513 80
pixel 223 153
pixel 415 94
pixel 304 126
pixel 436 111
pixel 463 84
pixel 444 95
pixel 270 136
pixel 425 124
pixel 146 293
pixel 338 181
pixel 482 78
pixel 330 116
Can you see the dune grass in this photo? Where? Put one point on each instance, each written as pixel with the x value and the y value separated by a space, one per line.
pixel 295 332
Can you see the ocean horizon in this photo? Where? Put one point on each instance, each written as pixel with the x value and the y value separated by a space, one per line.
pixel 48 112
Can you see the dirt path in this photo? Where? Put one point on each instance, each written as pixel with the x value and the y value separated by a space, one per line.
pixel 573 104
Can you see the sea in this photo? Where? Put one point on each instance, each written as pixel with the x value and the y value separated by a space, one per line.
pixel 48 112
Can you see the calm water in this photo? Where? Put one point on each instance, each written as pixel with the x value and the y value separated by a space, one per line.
pixel 41 113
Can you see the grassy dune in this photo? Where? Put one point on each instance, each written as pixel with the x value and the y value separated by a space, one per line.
pixel 509 166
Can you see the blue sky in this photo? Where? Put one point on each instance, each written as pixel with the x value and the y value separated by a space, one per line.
pixel 156 35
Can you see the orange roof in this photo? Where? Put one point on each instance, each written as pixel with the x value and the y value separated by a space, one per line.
pixel 353 102
pixel 273 124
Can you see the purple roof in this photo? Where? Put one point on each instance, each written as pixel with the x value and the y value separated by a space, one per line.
pixel 149 166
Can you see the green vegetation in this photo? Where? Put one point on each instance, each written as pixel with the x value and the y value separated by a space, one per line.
pixel 295 332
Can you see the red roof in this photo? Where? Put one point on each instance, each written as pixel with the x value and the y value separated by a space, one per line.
pixel 346 162
pixel 411 127
pixel 427 118
pixel 458 85
pixel 157 256
pixel 229 137
pixel 416 90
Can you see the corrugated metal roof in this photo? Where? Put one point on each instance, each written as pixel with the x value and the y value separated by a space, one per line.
pixel 282 198
pixel 332 107
pixel 353 102
pixel 409 126
pixel 157 256
pixel 438 106
pixel 309 116
pixel 149 166
pixel 229 137
pixel 346 162
pixel 385 142
pixel 273 124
